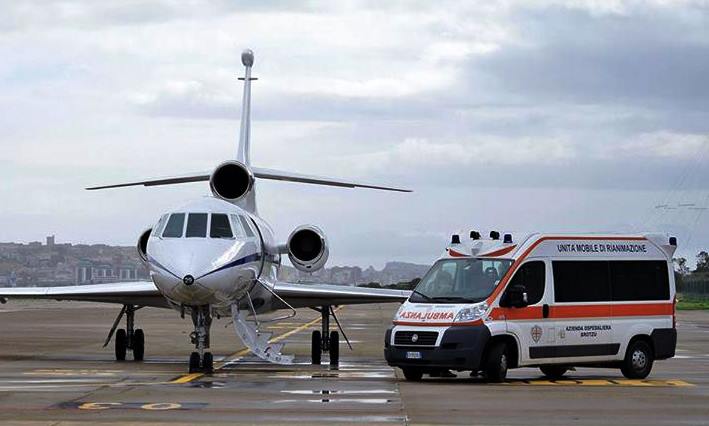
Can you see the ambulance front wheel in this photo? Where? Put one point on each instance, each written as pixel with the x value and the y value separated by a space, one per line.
pixel 412 374
pixel 638 360
pixel 553 371
pixel 495 367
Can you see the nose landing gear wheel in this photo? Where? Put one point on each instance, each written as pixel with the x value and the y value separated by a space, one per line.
pixel 194 362
pixel 316 347
pixel 208 363
pixel 334 348
pixel 121 344
pixel 138 345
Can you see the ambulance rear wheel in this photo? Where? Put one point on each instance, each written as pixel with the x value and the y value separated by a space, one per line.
pixel 412 374
pixel 121 344
pixel 553 371
pixel 334 348
pixel 638 360
pixel 496 363
pixel 316 347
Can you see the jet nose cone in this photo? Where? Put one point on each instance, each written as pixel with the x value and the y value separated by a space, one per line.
pixel 188 279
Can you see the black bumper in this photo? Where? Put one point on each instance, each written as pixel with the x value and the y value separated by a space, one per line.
pixel 664 341
pixel 461 349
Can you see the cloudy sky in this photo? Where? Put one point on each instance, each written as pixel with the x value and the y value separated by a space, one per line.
pixel 518 116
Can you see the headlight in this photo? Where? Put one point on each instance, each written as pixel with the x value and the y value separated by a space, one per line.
pixel 471 314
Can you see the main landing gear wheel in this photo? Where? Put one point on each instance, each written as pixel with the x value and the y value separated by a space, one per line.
pixel 127 338
pixel 121 344
pixel 334 348
pixel 316 347
pixel 553 371
pixel 138 345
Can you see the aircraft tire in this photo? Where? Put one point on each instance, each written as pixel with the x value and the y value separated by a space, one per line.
pixel 316 347
pixel 138 345
pixel 334 348
pixel 194 362
pixel 121 344
pixel 208 363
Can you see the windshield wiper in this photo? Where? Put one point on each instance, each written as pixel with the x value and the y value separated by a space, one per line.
pixel 455 299
pixel 422 295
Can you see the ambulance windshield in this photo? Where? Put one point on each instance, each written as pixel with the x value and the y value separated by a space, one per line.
pixel 460 280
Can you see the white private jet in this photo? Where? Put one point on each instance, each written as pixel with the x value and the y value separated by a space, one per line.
pixel 216 257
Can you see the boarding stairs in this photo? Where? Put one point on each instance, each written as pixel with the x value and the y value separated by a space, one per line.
pixel 257 341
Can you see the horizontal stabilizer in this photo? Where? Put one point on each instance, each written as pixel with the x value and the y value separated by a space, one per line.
pixel 259 173
pixel 294 177
pixel 159 181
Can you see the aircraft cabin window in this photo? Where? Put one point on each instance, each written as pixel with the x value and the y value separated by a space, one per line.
pixel 247 226
pixel 197 225
pixel 219 227
pixel 174 226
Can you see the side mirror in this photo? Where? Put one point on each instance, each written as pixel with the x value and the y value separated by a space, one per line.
pixel 516 297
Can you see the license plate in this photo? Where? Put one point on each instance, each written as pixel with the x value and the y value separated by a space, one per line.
pixel 413 355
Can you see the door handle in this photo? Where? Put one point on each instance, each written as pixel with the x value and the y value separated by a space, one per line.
pixel 545 310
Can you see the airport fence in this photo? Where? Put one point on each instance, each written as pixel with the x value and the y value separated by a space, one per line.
pixel 695 288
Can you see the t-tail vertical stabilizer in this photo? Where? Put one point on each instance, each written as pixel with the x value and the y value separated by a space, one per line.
pixel 243 153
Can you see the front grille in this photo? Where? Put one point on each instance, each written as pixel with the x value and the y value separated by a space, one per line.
pixel 423 338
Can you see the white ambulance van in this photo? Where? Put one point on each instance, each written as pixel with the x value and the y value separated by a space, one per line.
pixel 547 301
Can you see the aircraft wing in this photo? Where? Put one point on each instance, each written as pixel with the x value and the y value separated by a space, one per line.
pixel 314 295
pixel 142 293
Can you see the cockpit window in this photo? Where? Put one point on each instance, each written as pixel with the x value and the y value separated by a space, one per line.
pixel 247 226
pixel 197 225
pixel 219 227
pixel 236 226
pixel 158 227
pixel 174 226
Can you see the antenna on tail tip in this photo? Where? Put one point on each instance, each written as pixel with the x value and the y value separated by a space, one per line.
pixel 247 58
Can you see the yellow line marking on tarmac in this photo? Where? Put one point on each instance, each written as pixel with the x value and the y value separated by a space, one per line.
pixel 194 376
pixel 186 378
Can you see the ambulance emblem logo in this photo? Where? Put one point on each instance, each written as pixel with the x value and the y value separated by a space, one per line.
pixel 536 333
pixel 414 338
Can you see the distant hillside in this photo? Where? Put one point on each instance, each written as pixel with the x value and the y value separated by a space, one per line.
pixel 392 273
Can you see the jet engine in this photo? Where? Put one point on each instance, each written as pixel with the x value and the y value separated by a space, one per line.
pixel 307 248
pixel 231 180
pixel 142 245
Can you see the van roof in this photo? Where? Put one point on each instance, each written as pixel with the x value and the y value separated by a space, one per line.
pixel 580 246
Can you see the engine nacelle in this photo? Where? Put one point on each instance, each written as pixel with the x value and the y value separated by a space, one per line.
pixel 231 180
pixel 142 245
pixel 307 248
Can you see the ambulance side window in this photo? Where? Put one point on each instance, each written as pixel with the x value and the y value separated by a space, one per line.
pixel 532 276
